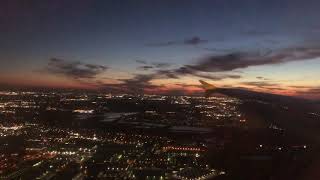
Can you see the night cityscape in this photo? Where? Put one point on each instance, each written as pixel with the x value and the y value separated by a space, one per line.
pixel 156 90
pixel 85 135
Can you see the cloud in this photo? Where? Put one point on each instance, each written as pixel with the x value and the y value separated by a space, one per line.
pixel 176 73
pixel 168 74
pixel 142 83
pixel 300 87
pixel 260 84
pixel 74 69
pixel 183 71
pixel 275 88
pixel 309 92
pixel 168 43
pixel 138 84
pixel 204 67
pixel 307 89
pixel 313 91
pixel 263 85
pixel 213 67
pixel 157 65
pixel 146 67
pixel 254 32
pixel 161 65
pixel 262 78
pixel 235 60
pixel 217 77
pixel 219 50
pixel 141 61
pixel 195 40
pixel 189 85
pixel 139 80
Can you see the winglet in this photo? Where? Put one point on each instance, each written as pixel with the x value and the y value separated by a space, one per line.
pixel 206 85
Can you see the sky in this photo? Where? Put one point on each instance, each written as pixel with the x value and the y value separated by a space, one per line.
pixel 162 47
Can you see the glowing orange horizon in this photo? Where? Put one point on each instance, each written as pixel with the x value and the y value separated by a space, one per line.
pixel 191 86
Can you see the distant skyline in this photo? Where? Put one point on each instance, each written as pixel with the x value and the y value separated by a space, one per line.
pixel 162 47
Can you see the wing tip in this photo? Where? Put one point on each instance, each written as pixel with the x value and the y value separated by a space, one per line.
pixel 207 86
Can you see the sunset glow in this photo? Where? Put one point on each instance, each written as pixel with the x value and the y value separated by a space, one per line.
pixel 131 48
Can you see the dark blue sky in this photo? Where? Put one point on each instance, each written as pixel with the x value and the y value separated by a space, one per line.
pixel 116 34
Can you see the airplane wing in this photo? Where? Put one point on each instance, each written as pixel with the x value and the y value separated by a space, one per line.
pixel 207 86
